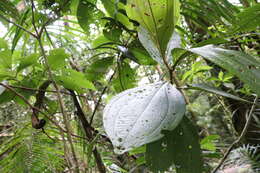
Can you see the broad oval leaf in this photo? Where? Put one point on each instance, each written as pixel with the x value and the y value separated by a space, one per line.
pixel 137 116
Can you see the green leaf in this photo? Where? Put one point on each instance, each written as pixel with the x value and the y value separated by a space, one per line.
pixel 113 7
pixel 142 57
pixel 211 41
pixel 98 68
pixel 74 80
pixel 6 59
pixel 125 78
pixel 6 96
pixel 214 90
pixel 9 9
pixel 28 61
pixel 244 66
pixel 180 147
pixel 100 41
pixel 207 143
pixel 157 17
pixel 112 32
pixel 88 13
pixel 18 31
pixel 3 45
pixel 57 58
pixel 248 20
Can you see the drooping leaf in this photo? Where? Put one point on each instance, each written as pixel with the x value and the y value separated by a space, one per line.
pixel 98 68
pixel 74 80
pixel 179 147
pixel 137 116
pixel 57 58
pixel 244 66
pixel 217 91
pixel 88 13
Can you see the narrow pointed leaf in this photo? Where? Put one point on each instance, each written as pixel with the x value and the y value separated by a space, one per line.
pixel 244 66
pixel 214 90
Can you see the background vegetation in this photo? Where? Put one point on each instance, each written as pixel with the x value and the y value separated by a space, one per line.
pixel 61 61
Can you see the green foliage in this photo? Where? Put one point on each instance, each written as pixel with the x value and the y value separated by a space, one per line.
pixel 88 13
pixel 248 20
pixel 31 152
pixel 86 41
pixel 157 17
pixel 98 68
pixel 247 68
pixel 8 8
pixel 28 61
pixel 125 78
pixel 207 143
pixel 57 58
pixel 179 147
pixel 217 91
pixel 74 80
pixel 113 8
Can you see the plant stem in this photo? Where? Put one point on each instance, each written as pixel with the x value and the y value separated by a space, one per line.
pixel 62 107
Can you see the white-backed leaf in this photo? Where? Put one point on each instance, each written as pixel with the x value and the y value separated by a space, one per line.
pixel 149 44
pixel 2 89
pixel 174 42
pixel 137 116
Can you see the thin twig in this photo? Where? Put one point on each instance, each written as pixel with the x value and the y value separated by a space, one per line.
pixel 19 26
pixel 62 107
pixel 30 105
pixel 250 116
pixel 100 98
pixel 35 89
